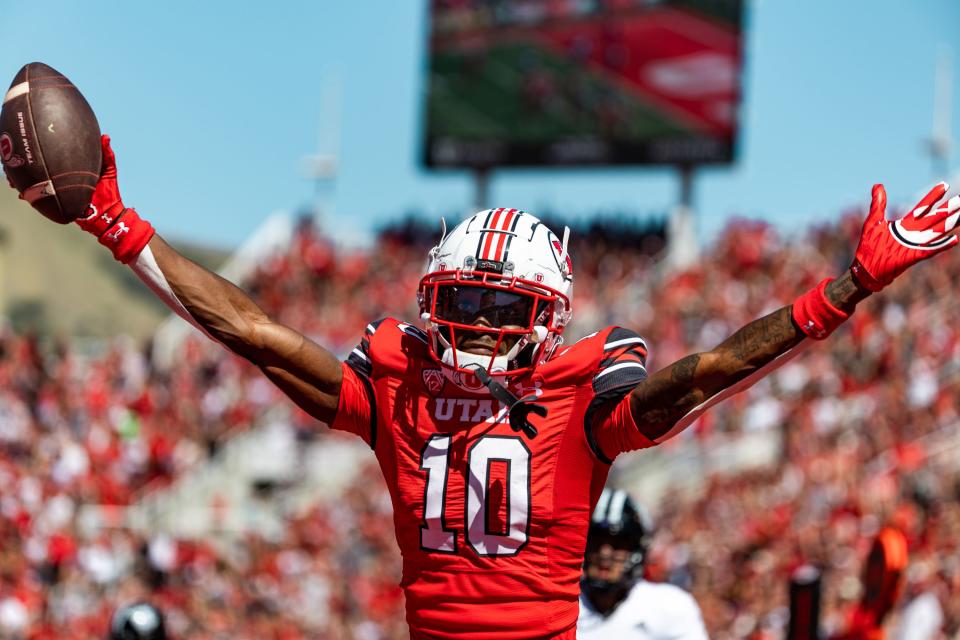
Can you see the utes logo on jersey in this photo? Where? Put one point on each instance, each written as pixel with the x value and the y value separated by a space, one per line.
pixel 467 381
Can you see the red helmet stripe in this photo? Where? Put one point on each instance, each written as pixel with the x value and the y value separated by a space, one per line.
pixel 488 241
pixel 507 219
pixel 499 252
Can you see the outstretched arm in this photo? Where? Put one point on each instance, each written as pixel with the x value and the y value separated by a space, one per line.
pixel 659 403
pixel 302 369
pixel 306 372
pixel 671 399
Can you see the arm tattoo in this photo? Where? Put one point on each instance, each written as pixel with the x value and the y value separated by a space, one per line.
pixel 661 400
pixel 761 340
pixel 682 371
pixel 845 292
pixel 669 394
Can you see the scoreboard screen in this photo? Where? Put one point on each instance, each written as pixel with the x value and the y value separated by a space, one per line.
pixel 582 82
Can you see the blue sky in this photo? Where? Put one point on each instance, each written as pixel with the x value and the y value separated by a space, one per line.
pixel 212 106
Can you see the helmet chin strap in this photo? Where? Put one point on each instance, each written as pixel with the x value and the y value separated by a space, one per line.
pixel 500 364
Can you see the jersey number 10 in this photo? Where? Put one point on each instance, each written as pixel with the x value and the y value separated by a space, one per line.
pixel 435 460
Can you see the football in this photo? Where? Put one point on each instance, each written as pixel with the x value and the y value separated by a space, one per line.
pixel 50 143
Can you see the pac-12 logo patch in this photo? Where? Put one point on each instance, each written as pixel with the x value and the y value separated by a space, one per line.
pixel 433 380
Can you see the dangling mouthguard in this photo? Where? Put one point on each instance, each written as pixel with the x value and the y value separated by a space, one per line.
pixel 517 408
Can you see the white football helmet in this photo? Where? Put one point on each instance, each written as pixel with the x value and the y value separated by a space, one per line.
pixel 500 275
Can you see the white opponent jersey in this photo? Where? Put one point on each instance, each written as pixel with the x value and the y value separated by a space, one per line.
pixel 651 611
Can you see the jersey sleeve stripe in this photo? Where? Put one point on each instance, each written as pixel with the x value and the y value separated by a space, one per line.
pixel 623 342
pixel 631 355
pixel 413 332
pixel 621 333
pixel 619 382
pixel 373 326
pixel 611 385
pixel 619 366
pixel 359 359
pixel 360 363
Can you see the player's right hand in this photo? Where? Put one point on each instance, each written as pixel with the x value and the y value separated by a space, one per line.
pixel 116 227
pixel 888 247
pixel 106 204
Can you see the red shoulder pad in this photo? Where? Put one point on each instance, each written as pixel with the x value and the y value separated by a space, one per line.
pixel 387 344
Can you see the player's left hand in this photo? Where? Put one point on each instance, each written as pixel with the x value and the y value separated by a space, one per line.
pixel 888 247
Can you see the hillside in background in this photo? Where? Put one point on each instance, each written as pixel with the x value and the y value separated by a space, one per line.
pixel 57 280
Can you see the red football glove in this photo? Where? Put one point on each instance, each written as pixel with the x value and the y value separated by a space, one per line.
pixel 888 247
pixel 119 229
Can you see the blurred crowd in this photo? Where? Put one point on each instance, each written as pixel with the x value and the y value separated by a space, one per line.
pixel 866 422
pixel 869 422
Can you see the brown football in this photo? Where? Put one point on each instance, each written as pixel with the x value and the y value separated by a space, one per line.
pixel 50 143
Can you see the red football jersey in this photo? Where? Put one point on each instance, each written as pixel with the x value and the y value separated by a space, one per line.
pixel 492 524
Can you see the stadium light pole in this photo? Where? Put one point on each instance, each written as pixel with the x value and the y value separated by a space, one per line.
pixel 322 166
pixel 681 225
pixel 939 144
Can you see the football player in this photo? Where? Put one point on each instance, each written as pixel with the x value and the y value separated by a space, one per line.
pixel 494 437
pixel 615 600
pixel 138 621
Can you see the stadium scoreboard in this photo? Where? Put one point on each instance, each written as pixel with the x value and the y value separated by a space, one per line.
pixel 582 82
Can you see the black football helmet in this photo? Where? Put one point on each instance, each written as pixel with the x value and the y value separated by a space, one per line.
pixel 623 525
pixel 138 621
